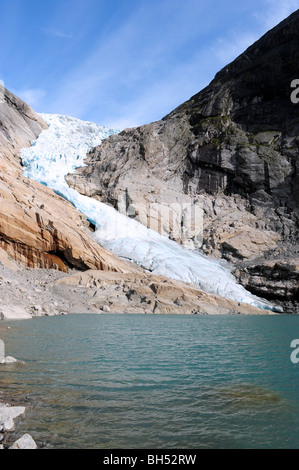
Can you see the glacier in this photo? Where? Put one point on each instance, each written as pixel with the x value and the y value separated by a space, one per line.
pixel 61 149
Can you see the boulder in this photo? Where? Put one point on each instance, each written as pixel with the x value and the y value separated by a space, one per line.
pixel 13 313
pixel 7 416
pixel 25 442
pixel 11 360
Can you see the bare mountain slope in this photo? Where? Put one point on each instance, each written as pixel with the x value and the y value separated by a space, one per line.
pixel 38 228
pixel 233 148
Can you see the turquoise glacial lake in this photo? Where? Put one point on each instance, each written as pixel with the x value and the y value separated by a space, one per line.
pixel 156 381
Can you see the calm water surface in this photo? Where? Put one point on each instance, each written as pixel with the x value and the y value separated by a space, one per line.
pixel 138 381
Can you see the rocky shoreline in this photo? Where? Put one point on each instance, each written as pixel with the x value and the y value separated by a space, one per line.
pixel 28 293
pixel 9 413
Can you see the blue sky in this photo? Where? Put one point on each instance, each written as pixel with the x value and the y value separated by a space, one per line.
pixel 123 63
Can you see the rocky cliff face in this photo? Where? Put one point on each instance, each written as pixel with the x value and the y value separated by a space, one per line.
pixel 38 229
pixel 19 125
pixel 233 149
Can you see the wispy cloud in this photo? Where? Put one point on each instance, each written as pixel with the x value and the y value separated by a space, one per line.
pixel 56 33
pixel 31 97
pixel 276 11
pixel 226 49
pixel 271 13
pixel 154 58
pixel 133 62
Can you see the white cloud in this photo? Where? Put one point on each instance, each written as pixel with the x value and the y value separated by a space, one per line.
pixel 162 96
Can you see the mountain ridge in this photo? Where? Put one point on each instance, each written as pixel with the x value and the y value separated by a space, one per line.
pixel 233 148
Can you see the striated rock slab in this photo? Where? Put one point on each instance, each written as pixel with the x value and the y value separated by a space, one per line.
pixel 7 262
pixel 145 293
pixel 232 233
pixel 48 292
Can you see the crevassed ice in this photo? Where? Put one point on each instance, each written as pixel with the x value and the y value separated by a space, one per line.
pixel 63 147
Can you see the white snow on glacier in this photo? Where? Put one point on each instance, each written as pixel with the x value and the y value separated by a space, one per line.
pixel 59 150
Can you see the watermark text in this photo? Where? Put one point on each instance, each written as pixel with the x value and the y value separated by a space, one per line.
pixel 295 93
pixel 295 353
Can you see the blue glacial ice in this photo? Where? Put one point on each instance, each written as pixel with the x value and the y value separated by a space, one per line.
pixel 62 148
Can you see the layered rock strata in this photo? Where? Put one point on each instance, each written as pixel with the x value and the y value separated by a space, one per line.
pixel 39 229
